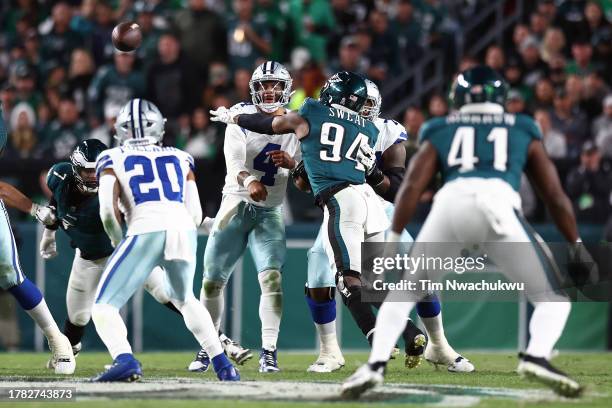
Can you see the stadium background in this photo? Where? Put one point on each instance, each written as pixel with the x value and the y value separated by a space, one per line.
pixel 61 81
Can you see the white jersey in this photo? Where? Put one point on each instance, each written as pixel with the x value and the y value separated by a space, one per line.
pixel 390 132
pixel 246 151
pixel 152 180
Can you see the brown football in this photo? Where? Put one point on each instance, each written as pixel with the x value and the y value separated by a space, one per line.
pixel 127 36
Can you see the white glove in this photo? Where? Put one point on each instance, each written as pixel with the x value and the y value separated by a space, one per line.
pixel 224 115
pixel 367 157
pixel 47 245
pixel 207 225
pixel 45 214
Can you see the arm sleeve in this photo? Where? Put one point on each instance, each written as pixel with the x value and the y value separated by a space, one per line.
pixel 192 202
pixel 104 162
pixel 234 149
pixel 107 209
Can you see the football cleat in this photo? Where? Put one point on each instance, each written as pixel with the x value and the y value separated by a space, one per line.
pixel 200 363
pixel 62 358
pixel 327 363
pixel 228 373
pixel 365 378
pixel 76 349
pixel 235 351
pixel 268 362
pixel 414 351
pixel 540 369
pixel 125 368
pixel 446 356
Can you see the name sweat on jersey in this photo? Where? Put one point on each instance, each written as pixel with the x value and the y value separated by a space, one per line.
pixel 485 145
pixel 152 180
pixel 329 151
pixel 247 151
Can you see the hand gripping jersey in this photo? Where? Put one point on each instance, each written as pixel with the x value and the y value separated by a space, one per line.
pixel 152 180
pixel 247 151
pixel 78 214
pixel 330 149
pixel 483 145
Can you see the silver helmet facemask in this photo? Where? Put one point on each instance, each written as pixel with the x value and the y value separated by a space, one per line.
pixel 270 72
pixel 139 122
pixel 371 109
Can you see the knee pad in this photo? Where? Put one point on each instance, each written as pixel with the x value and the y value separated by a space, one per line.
pixel 270 281
pixel 79 318
pixel 211 289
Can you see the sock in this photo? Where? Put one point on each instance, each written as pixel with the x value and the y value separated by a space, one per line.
pixel 213 300
pixel 43 318
pixel 390 324
pixel 270 307
pixel 27 294
pixel 546 326
pixel 73 332
pixel 362 312
pixel 111 329
pixel 200 324
pixel 220 361
pixel 435 330
pixel 324 316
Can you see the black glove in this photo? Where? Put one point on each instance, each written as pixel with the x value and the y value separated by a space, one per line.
pixel 299 175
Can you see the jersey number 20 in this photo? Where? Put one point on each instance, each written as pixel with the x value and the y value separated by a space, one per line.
pixel 137 182
pixel 463 142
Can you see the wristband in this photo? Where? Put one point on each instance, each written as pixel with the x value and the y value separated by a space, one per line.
pixel 249 180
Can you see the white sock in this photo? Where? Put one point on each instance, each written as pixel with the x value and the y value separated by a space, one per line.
pixel 214 302
pixel 327 338
pixel 435 330
pixel 198 321
pixel 546 326
pixel 270 307
pixel 111 329
pixel 390 324
pixel 42 316
pixel 326 328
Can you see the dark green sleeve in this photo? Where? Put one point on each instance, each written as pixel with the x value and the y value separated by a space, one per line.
pixel 426 131
pixel 306 107
pixel 528 125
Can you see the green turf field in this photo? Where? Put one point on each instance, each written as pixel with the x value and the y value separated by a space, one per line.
pixel 168 384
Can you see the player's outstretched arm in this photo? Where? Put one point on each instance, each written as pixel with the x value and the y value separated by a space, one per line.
pixel 16 199
pixel 545 180
pixel 192 199
pixel 421 170
pixel 263 123
pixel 108 194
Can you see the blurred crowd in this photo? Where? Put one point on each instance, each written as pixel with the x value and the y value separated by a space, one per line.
pixel 61 80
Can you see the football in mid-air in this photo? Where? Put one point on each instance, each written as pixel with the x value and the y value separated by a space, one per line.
pixel 127 36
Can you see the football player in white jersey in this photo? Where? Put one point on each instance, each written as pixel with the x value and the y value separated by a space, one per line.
pixel 155 188
pixel 258 168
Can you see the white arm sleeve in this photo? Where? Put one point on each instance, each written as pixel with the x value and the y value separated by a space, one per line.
pixel 192 202
pixel 234 148
pixel 107 209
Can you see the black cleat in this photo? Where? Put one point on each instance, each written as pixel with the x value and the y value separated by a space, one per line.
pixel 540 369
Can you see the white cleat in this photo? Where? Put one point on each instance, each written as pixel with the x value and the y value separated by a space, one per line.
pixel 446 356
pixel 62 357
pixel 235 351
pixel 327 363
pixel 362 380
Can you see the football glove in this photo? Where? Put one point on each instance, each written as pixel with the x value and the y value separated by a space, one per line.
pixel 224 115
pixel 47 245
pixel 45 214
pixel 367 157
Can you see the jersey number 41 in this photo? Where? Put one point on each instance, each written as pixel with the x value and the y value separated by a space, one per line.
pixel 464 143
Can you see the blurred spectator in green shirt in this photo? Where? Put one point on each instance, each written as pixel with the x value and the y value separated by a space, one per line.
pixel 248 40
pixel 313 21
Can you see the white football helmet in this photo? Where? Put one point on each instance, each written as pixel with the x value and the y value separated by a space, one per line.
pixel 139 122
pixel 371 109
pixel 270 71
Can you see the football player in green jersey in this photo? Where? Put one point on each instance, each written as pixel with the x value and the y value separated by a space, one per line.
pixel 333 134
pixel 481 152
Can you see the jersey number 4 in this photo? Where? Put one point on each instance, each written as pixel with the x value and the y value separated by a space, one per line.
pixel 464 143
pixel 332 135
pixel 139 182
pixel 263 162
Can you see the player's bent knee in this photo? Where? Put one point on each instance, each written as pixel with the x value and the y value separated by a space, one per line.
pixel 270 281
pixel 79 318
pixel 211 288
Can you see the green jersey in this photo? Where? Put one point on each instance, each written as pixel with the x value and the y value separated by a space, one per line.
pixel 330 149
pixel 78 214
pixel 481 145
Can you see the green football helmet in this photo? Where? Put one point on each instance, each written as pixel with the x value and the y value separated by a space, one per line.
pixel 83 159
pixel 477 85
pixel 345 89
